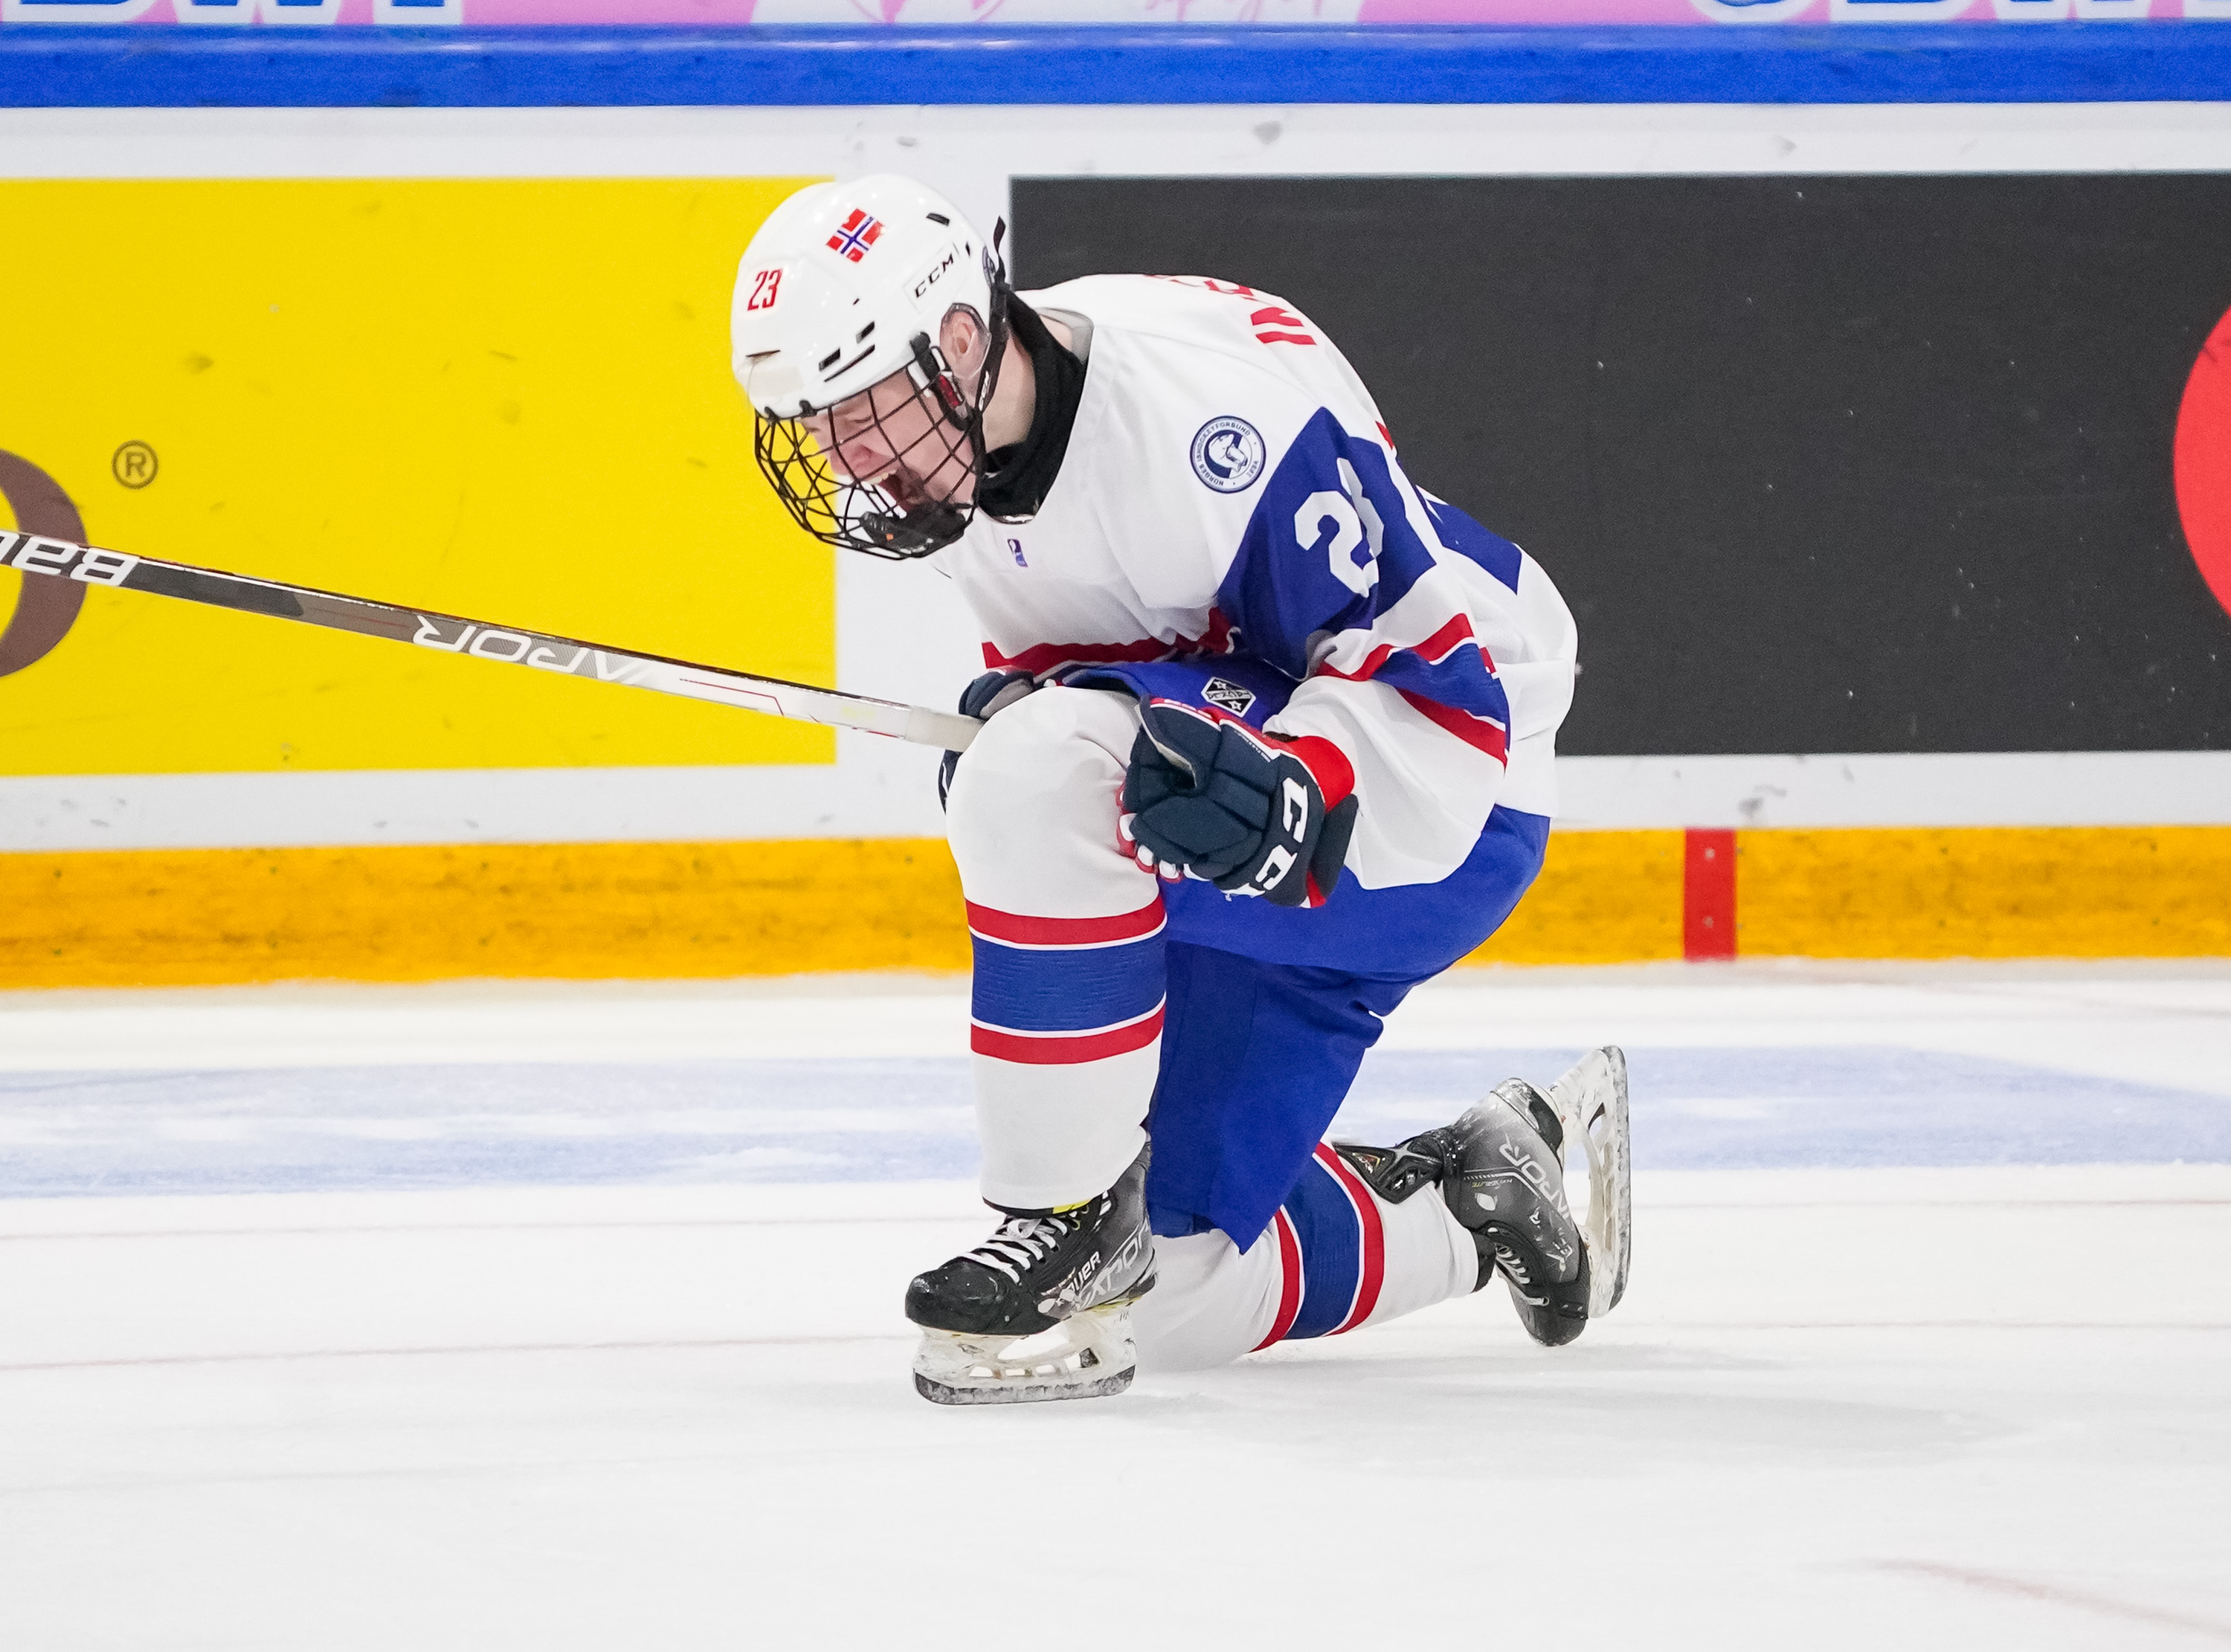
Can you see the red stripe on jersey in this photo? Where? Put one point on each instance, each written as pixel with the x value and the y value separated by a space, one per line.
pixel 1290 1279
pixel 1018 930
pixel 1446 641
pixel 1489 738
pixel 1378 657
pixel 1371 1267
pixel 1434 649
pixel 1066 1049
pixel 1045 656
pixel 1283 338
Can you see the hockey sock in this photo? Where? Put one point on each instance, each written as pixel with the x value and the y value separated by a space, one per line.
pixel 1069 976
pixel 1348 1258
pixel 1335 1256
pixel 1066 1029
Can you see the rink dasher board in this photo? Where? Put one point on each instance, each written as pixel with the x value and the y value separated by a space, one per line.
pixel 2185 58
pixel 889 638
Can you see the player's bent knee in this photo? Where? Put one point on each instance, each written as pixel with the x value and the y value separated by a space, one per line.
pixel 1053 762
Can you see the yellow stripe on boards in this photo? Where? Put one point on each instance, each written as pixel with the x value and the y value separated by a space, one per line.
pixel 567 910
pixel 647 911
pixel 2036 891
pixel 1602 897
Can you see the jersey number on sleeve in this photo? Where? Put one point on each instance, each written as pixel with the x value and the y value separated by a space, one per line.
pixel 1354 520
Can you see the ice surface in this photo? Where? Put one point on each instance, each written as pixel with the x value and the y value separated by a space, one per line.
pixel 489 1318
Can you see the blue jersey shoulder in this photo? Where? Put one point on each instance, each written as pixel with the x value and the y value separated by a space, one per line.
pixel 1468 538
pixel 1329 547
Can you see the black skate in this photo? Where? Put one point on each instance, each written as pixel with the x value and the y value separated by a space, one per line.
pixel 1042 1309
pixel 1500 1171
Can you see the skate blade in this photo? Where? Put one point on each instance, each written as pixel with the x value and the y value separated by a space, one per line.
pixel 1591 1106
pixel 1087 1356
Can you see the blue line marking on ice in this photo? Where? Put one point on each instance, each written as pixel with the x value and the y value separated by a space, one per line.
pixel 1852 1107
pixel 837 1120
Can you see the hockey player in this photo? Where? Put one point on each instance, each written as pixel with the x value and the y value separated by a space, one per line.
pixel 1270 742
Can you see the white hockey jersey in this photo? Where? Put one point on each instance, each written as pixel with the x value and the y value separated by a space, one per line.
pixel 1229 487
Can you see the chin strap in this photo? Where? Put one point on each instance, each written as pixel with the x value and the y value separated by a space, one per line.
pixel 932 374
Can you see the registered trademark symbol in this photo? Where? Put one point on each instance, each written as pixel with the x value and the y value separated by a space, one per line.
pixel 134 464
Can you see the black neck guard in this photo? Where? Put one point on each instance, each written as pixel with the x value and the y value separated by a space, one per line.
pixel 1017 479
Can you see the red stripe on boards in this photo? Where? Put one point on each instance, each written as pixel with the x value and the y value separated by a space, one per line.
pixel 1472 731
pixel 1708 894
pixel 1290 1279
pixel 1018 930
pixel 1065 1049
pixel 1371 1267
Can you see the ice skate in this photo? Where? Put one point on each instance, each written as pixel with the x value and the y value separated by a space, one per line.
pixel 1499 1171
pixel 1042 1309
pixel 1591 1106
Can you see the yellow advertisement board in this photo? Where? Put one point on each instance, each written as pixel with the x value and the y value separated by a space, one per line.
pixel 503 399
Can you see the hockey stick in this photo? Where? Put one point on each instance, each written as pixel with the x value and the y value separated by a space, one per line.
pixel 33 554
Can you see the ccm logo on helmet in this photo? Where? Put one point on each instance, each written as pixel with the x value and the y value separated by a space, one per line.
pixel 937 271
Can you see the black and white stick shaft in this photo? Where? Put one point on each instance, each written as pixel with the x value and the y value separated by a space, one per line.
pixel 33 554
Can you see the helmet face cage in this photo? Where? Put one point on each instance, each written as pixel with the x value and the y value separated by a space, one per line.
pixel 891 517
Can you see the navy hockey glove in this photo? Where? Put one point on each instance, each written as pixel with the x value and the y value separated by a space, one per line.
pixel 993 692
pixel 1242 810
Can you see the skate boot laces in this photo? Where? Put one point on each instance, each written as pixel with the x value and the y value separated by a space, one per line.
pixel 1022 1242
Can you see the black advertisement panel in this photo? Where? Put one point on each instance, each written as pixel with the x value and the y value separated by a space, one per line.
pixel 1822 464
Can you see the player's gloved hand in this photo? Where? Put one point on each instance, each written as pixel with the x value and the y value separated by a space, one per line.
pixel 993 692
pixel 1219 801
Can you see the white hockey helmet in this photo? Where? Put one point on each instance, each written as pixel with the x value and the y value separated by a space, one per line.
pixel 839 282
pixel 844 286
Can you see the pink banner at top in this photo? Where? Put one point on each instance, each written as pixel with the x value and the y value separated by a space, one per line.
pixel 283 13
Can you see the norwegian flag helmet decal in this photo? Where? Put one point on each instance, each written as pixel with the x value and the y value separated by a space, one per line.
pixel 856 234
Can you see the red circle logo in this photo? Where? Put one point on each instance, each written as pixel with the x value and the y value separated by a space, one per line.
pixel 2204 462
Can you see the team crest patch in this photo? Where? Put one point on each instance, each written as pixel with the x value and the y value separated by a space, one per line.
pixel 1227 453
pixel 857 234
pixel 1229 695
